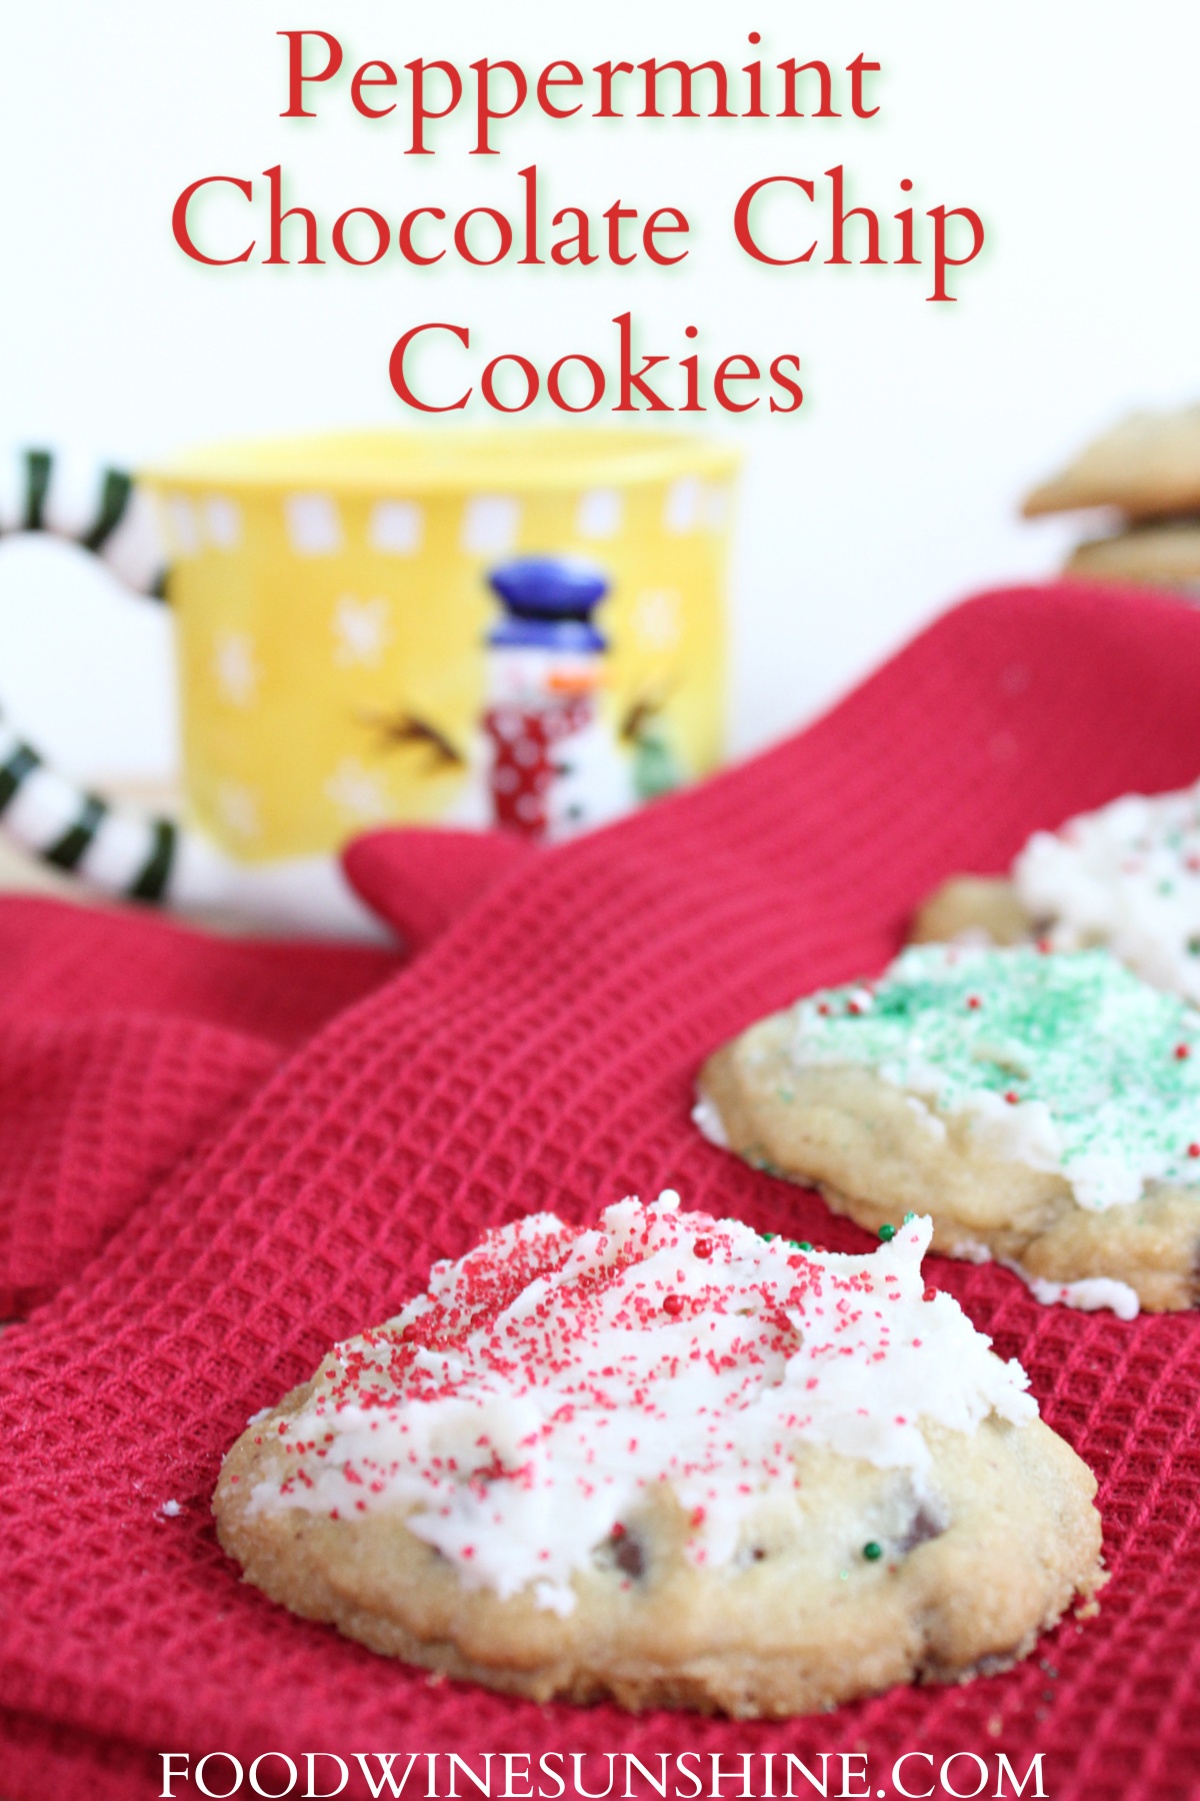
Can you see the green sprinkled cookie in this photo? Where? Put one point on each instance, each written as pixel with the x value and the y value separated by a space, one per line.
pixel 1043 1107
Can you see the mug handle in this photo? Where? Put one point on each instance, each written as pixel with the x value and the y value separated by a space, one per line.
pixel 116 850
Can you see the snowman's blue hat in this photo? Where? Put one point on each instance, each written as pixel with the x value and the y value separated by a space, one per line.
pixel 549 587
pixel 549 602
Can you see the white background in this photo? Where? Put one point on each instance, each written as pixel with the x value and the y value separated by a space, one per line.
pixel 1070 125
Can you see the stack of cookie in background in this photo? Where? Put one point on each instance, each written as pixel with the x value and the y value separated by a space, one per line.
pixel 1146 470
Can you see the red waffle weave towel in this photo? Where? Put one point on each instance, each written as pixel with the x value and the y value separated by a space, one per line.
pixel 541 1054
pixel 125 1043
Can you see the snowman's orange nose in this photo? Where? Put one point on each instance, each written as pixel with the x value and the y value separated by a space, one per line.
pixel 580 681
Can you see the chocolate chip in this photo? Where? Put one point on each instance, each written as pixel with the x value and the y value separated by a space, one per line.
pixel 750 1554
pixel 922 1527
pixel 629 1556
pixel 623 1550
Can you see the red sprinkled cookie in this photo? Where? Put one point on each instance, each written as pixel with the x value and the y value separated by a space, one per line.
pixel 673 1462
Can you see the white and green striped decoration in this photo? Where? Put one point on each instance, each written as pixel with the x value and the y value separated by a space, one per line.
pixel 114 527
pixel 120 852
pixel 117 850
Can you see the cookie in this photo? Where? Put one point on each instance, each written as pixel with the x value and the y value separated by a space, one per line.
pixel 1165 555
pixel 1126 876
pixel 674 1462
pixel 1148 466
pixel 973 909
pixel 1042 1107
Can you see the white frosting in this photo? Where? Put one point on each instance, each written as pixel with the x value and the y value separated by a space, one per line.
pixel 970 1250
pixel 520 1411
pixel 1088 1295
pixel 1020 1133
pixel 1127 876
pixel 706 1117
pixel 931 1122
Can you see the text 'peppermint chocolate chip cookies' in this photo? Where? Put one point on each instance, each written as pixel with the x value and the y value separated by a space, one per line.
pixel 672 1462
pixel 1043 1107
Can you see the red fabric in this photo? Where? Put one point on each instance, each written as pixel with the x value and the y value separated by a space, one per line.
pixel 541 1053
pixel 126 1041
pixel 420 881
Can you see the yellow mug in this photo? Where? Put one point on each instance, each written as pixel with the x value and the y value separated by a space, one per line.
pixel 346 645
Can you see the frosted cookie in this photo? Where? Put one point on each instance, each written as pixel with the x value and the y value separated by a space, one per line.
pixel 673 1462
pixel 973 909
pixel 1148 466
pixel 1126 876
pixel 1164 555
pixel 1044 1108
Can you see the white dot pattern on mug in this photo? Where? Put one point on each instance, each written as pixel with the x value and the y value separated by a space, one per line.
pixel 223 522
pixel 238 806
pixel 490 524
pixel 599 514
pixel 362 630
pixel 314 524
pixel 684 501
pixel 658 617
pixel 235 667
pixel 397 527
pixel 184 531
pixel 358 792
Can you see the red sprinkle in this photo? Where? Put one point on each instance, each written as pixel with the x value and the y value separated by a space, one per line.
pixel 853 1007
pixel 702 1247
pixel 930 1291
pixel 973 1001
pixel 1011 1096
pixel 1182 1051
pixel 673 1303
pixel 1194 1150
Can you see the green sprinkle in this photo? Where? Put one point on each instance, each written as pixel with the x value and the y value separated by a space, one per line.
pixel 887 1233
pixel 909 1218
pixel 803 1245
pixel 872 1552
pixel 1088 1053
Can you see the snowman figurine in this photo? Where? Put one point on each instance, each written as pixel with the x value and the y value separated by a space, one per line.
pixel 554 764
